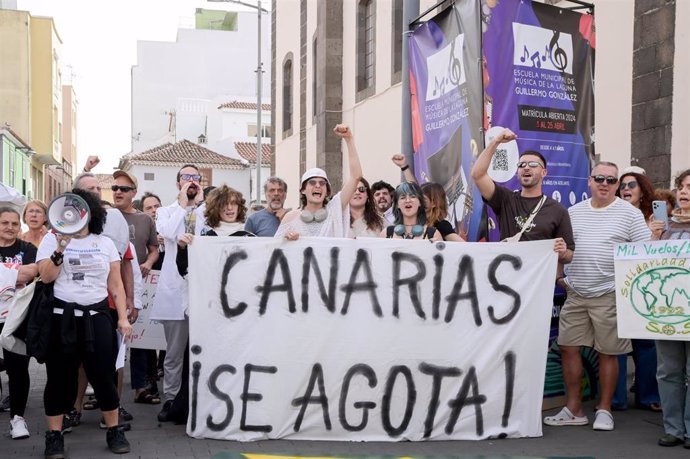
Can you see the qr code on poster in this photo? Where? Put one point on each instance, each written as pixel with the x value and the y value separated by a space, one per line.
pixel 501 160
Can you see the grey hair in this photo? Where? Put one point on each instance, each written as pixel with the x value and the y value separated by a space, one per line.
pixel 81 176
pixel 605 163
pixel 274 179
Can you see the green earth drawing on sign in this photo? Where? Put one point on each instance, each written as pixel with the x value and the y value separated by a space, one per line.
pixel 662 295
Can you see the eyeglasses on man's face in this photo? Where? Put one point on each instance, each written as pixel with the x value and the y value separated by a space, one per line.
pixel 609 179
pixel 523 164
pixel 631 185
pixel 124 189
pixel 192 177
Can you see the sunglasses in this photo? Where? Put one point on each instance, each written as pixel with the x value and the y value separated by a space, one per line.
pixel 362 189
pixel 194 177
pixel 610 180
pixel 523 164
pixel 124 189
pixel 631 185
pixel 314 182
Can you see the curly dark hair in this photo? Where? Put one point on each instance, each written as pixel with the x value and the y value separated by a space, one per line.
pixel 218 199
pixel 411 189
pixel 647 193
pixel 371 216
pixel 98 213
pixel 681 177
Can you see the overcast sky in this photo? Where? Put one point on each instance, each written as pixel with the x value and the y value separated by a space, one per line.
pixel 99 44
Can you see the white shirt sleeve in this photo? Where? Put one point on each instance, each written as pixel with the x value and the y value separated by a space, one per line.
pixel 46 247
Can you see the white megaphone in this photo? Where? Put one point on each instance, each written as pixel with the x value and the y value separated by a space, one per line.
pixel 68 214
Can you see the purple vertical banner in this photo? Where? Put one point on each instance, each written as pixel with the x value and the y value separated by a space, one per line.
pixel 446 87
pixel 539 82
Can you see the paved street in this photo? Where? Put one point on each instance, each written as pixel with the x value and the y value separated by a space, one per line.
pixel 635 437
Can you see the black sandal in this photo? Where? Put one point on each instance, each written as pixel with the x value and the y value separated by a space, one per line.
pixel 147 398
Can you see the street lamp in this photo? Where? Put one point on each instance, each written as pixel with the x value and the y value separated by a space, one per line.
pixel 259 75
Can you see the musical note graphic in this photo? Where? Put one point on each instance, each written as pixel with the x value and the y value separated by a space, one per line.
pixel 534 57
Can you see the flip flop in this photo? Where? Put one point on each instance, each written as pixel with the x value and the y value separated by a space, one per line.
pixel 566 418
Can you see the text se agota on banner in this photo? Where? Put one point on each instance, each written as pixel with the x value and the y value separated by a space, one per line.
pixel 469 395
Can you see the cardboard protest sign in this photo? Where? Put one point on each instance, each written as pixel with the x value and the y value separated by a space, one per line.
pixel 653 289
pixel 367 339
pixel 147 333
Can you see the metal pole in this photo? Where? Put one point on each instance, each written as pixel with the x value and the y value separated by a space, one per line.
pixel 410 11
pixel 259 132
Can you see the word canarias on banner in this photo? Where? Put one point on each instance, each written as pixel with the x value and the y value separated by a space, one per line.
pixel 653 289
pixel 339 339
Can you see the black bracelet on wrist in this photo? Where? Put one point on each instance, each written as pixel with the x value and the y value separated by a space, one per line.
pixel 57 258
pixel 405 168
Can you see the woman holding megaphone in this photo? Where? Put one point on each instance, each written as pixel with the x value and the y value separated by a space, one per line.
pixel 83 267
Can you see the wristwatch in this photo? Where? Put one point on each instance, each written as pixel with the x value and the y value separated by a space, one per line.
pixel 57 258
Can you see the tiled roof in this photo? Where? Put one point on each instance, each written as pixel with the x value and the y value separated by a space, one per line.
pixel 182 152
pixel 244 105
pixel 247 150
pixel 105 180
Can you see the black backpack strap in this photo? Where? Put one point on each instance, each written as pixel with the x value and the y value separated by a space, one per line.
pixel 430 231
pixel 389 232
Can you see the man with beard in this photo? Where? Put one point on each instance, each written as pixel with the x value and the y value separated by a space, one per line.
pixel 383 198
pixel 514 208
pixel 171 303
pixel 266 221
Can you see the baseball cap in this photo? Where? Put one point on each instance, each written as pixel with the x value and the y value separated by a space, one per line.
pixel 129 176
pixel 314 172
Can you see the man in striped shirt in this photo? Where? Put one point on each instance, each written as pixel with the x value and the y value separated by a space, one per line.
pixel 588 317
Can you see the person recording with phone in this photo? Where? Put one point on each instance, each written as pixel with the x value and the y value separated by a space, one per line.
pixel 171 303
pixel 83 267
pixel 638 190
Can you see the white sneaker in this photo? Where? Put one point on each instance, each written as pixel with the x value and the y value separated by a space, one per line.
pixel 89 390
pixel 18 428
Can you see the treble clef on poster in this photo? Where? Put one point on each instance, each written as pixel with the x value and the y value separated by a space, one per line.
pixel 454 66
pixel 558 57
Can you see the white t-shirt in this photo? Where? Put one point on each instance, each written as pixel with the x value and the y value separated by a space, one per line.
pixel 83 278
pixel 336 224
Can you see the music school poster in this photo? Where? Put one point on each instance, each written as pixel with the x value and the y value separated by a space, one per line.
pixel 446 94
pixel 538 72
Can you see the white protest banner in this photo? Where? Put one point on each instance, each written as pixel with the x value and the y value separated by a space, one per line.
pixel 147 333
pixel 653 289
pixel 367 339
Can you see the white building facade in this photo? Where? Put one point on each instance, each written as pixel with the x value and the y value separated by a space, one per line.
pixel 331 67
pixel 181 89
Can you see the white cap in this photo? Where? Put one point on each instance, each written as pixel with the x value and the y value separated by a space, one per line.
pixel 634 170
pixel 314 172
